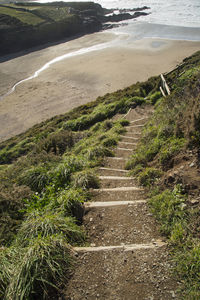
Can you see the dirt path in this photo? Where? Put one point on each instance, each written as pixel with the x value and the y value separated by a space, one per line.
pixel 127 258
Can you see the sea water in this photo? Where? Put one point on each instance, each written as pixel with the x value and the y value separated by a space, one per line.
pixel 184 13
pixel 168 19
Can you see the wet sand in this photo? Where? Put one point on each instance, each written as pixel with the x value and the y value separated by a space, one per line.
pixel 80 79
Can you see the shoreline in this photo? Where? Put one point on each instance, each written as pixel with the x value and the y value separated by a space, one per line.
pixel 81 79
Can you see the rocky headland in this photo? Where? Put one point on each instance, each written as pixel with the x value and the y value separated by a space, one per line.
pixel 28 24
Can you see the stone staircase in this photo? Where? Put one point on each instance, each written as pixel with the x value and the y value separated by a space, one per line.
pixel 127 258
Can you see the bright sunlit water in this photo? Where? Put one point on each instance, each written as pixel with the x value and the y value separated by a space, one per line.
pixel 168 12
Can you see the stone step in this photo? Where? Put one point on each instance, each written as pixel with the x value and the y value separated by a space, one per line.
pixel 127 145
pixel 113 225
pixel 136 126
pixel 115 162
pixel 120 189
pixel 123 152
pixel 111 203
pixel 133 134
pixel 118 194
pixel 134 129
pixel 139 121
pixel 111 172
pixel 117 181
pixel 125 138
pixel 128 247
pixel 130 138
pixel 139 273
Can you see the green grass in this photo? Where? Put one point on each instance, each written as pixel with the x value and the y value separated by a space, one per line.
pixel 39 268
pixel 58 14
pixel 169 209
pixel 149 176
pixel 172 133
pixel 59 171
pixel 46 174
pixel 25 17
pixel 45 224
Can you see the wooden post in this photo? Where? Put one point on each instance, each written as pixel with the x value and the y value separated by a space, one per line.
pixel 126 113
pixel 165 86
pixel 163 93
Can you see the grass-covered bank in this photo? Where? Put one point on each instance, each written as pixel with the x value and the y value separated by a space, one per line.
pixel 45 177
pixel 46 174
pixel 167 163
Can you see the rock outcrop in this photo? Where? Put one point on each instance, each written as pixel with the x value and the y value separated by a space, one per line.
pixel 78 18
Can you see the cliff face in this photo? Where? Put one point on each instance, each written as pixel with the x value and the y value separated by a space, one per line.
pixel 24 25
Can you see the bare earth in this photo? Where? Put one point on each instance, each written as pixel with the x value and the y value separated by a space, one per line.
pixel 82 78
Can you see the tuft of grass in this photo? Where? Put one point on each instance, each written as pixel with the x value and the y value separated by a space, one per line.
pixel 96 153
pixel 172 147
pixel 39 269
pixel 155 97
pixel 86 179
pixel 188 269
pixel 149 176
pixel 70 203
pixel 44 224
pixel 71 164
pixel 169 209
pixel 37 178
pixel 6 268
pixel 56 143
pixel 109 142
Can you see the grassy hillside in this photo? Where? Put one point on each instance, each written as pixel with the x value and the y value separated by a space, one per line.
pixel 167 162
pixel 46 174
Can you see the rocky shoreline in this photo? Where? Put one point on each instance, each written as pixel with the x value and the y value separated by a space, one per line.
pixel 81 18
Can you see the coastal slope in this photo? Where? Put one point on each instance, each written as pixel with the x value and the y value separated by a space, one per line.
pixel 50 188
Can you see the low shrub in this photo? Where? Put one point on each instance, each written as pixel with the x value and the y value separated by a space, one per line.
pixel 44 224
pixel 70 203
pixel 85 179
pixel 155 97
pixel 37 178
pixel 172 147
pixel 6 268
pixel 109 142
pixel 96 153
pixel 56 142
pixel 187 262
pixel 149 176
pixel 39 269
pixel 169 209
pixel 62 174
pixel 123 122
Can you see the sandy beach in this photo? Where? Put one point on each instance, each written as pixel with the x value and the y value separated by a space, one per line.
pixel 81 78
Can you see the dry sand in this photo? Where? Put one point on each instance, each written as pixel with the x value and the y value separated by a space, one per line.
pixel 80 79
